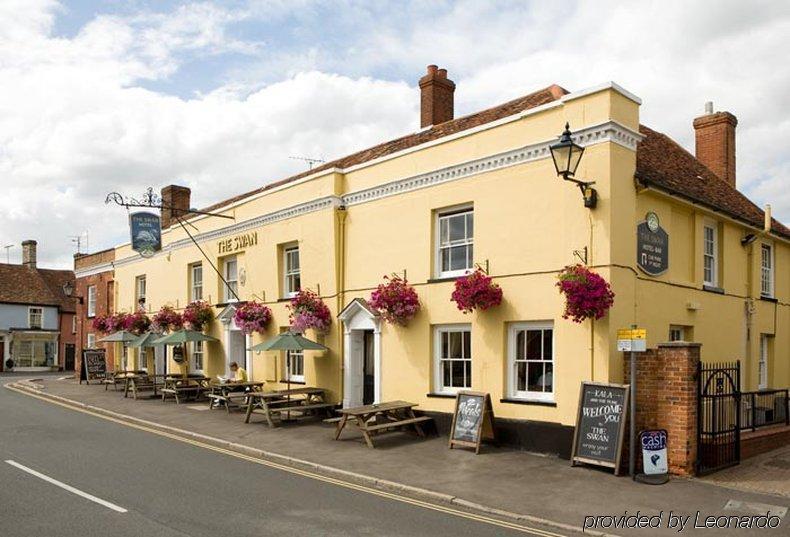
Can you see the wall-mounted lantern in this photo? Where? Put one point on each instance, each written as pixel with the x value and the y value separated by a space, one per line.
pixel 566 155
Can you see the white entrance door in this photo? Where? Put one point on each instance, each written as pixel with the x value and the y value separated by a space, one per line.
pixel 762 365
pixel 237 350
pixel 159 359
pixel 362 349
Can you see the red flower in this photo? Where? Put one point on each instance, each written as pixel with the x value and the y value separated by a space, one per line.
pixel 198 314
pixel 587 294
pixel 476 290
pixel 309 311
pixel 167 318
pixel 396 301
pixel 252 317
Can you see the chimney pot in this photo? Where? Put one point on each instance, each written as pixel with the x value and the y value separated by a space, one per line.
pixel 29 253
pixel 175 202
pixel 715 142
pixel 436 97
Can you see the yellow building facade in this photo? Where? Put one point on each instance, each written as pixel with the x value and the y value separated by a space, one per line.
pixel 482 191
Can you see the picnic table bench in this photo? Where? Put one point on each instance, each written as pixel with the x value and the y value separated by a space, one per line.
pixel 231 394
pixel 381 418
pixel 305 401
pixel 144 382
pixel 185 387
pixel 114 378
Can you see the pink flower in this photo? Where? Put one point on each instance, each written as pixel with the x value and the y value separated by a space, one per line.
pixel 252 317
pixel 198 314
pixel 476 290
pixel 587 294
pixel 396 301
pixel 166 319
pixel 309 311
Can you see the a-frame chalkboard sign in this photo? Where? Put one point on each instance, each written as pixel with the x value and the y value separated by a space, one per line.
pixel 600 424
pixel 93 366
pixel 473 420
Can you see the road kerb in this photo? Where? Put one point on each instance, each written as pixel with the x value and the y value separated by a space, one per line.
pixel 301 464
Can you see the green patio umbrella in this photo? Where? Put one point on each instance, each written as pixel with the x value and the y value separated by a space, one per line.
pixel 145 340
pixel 180 337
pixel 121 336
pixel 288 341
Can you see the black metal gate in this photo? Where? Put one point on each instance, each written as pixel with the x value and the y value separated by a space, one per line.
pixel 718 416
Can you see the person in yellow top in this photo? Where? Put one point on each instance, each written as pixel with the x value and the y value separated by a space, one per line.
pixel 239 373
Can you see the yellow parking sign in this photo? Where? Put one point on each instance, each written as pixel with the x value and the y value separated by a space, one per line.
pixel 632 340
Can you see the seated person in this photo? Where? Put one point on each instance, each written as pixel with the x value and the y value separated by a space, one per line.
pixel 239 374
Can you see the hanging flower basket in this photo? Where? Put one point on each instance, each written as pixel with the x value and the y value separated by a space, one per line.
pixel 167 319
pixel 198 315
pixel 101 323
pixel 137 322
pixel 587 294
pixel 309 311
pixel 252 317
pixel 395 300
pixel 476 290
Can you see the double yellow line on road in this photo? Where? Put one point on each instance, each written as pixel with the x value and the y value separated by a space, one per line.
pixel 346 484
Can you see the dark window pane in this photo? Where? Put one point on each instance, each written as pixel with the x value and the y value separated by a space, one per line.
pixel 458 373
pixel 457 228
pixel 548 377
pixel 470 261
pixel 533 345
pixel 455 345
pixel 467 344
pixel 547 344
pixel 458 258
pixel 468 378
pixel 470 227
pixel 445 261
pixel 445 347
pixel 534 377
pixel 521 342
pixel 521 376
pixel 446 374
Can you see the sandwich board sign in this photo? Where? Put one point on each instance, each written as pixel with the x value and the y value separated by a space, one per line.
pixel 94 365
pixel 654 452
pixel 600 424
pixel 473 420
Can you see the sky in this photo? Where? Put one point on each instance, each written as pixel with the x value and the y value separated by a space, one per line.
pixel 101 96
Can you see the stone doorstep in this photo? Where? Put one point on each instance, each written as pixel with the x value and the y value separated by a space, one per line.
pixel 300 464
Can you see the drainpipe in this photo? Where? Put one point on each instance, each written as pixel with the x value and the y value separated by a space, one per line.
pixel 340 275
pixel 750 295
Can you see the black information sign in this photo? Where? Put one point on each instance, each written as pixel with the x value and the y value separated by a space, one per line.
pixel 600 424
pixel 94 365
pixel 146 233
pixel 473 420
pixel 652 248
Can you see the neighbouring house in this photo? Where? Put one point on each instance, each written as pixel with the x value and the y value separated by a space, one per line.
pixel 688 256
pixel 94 293
pixel 37 317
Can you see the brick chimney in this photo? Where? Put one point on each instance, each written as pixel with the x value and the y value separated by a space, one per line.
pixel 29 253
pixel 175 202
pixel 715 147
pixel 436 97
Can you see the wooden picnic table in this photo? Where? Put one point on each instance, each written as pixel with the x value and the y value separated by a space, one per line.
pixel 184 386
pixel 143 382
pixel 305 400
pixel 114 378
pixel 380 418
pixel 231 393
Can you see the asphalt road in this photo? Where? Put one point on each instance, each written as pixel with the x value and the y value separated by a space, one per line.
pixel 170 488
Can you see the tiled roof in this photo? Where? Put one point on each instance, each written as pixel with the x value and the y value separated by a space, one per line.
pixel 41 287
pixel 538 98
pixel 662 162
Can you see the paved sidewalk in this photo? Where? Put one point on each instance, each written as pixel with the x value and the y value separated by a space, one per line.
pixel 768 473
pixel 518 482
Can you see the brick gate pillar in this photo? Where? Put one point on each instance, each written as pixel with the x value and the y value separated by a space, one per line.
pixel 667 388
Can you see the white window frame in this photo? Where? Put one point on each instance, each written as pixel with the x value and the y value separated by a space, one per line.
pixel 196 281
pixel 766 271
pixel 441 215
pixel 39 311
pixel 762 363
pixel 198 352
pixel 512 375
pixel 142 358
pixel 438 377
pixel 289 273
pixel 90 340
pixel 91 301
pixel 140 287
pixel 294 357
pixel 713 281
pixel 231 282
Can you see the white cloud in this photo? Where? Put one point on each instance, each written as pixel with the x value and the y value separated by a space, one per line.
pixel 75 122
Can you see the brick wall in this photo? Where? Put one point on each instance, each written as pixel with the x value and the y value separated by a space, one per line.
pixel 104 305
pixel 754 443
pixel 715 144
pixel 667 399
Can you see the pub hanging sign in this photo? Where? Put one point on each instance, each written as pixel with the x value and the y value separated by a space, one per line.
pixel 146 233
pixel 652 246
